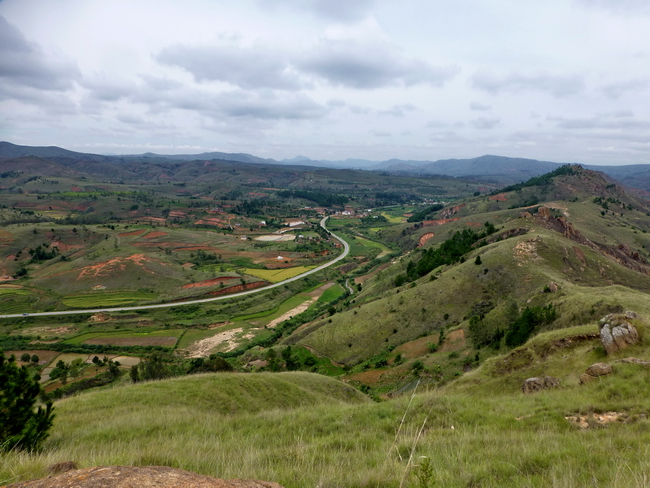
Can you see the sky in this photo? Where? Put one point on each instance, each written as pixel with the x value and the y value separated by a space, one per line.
pixel 555 80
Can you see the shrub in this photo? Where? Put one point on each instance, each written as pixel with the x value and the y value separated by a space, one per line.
pixel 522 327
pixel 21 427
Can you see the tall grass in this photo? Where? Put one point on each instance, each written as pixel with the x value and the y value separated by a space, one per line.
pixel 500 440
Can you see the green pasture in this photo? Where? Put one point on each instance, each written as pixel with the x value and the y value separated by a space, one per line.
pixel 110 299
pixel 374 244
pixel 277 275
pixel 14 291
pixel 332 293
pixel 80 339
pixel 276 312
pixel 322 366
pixel 394 219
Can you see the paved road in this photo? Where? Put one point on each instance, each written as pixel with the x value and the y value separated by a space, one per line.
pixel 346 251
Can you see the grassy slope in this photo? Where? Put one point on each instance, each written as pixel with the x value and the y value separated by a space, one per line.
pixel 512 274
pixel 480 431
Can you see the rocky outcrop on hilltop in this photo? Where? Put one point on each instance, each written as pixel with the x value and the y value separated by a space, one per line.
pixel 142 477
pixel 621 254
pixel 617 333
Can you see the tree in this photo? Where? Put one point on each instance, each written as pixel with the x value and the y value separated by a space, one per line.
pixel 25 357
pixel 477 260
pixel 35 359
pixel 21 427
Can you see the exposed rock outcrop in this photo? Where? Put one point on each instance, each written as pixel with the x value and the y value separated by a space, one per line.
pixel 538 383
pixel 639 362
pixel 142 477
pixel 617 333
pixel 594 371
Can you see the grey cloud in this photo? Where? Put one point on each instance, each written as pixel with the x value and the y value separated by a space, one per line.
pixel 269 105
pixel 479 106
pixel 160 84
pixel 336 102
pixel 355 109
pixel 24 63
pixel 485 122
pixel 558 86
pixel 398 110
pixel 109 89
pixel 249 68
pixel 339 10
pixel 600 122
pixel 615 90
pixel 379 133
pixel 436 124
pixel 356 65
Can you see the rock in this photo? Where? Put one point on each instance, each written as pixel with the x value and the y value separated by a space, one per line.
pixel 586 378
pixel 525 215
pixel 142 477
pixel 640 362
pixel 538 383
pixel 599 369
pixel 544 213
pixel 552 287
pixel 617 333
pixel 594 371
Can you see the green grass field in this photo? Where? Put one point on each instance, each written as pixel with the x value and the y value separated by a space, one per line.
pixel 80 339
pixel 110 299
pixel 305 430
pixel 332 293
pixel 13 291
pixel 276 275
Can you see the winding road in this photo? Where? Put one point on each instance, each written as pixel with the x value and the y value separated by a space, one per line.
pixel 346 251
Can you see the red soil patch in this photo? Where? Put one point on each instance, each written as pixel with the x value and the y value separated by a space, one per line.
pixel 238 288
pixel 431 223
pixel 75 188
pixel 425 238
pixel 82 207
pixel 211 282
pixel 474 224
pixel 367 377
pixel 177 213
pixel 133 341
pixel 66 247
pixel 46 207
pixel 217 222
pixel 420 347
pixel 362 279
pixel 197 248
pixel 153 235
pixel 132 233
pixel 501 197
pixel 107 268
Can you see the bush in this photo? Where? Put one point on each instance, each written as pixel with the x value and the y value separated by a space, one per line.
pixel 21 427
pixel 522 327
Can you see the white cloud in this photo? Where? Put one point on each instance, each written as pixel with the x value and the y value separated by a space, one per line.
pixel 557 85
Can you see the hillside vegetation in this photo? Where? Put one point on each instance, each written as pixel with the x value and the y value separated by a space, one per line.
pixel 439 315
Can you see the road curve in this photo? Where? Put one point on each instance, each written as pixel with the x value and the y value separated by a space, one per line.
pixel 346 251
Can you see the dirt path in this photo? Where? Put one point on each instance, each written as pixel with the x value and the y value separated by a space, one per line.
pixel 203 347
pixel 291 313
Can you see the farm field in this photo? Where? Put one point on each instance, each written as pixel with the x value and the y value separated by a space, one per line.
pixel 164 337
pixel 277 275
pixel 108 299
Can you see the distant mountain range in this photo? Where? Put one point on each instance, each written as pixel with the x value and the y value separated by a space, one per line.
pixel 496 169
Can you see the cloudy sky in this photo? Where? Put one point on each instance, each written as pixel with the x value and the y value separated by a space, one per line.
pixel 559 80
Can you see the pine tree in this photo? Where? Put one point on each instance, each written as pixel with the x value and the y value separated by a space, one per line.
pixel 21 426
